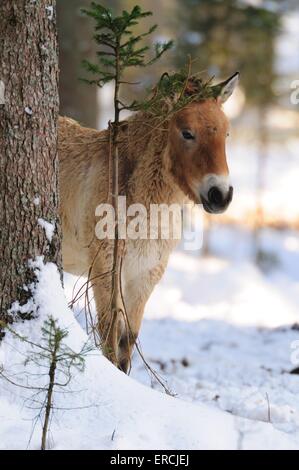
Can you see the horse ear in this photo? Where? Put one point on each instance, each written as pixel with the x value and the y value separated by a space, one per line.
pixel 224 90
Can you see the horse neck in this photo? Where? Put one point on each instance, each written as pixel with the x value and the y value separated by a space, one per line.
pixel 143 132
pixel 147 147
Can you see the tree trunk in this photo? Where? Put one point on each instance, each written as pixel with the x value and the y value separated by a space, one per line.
pixel 75 32
pixel 28 143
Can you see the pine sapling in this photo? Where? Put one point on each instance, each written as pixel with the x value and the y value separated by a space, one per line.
pixel 119 49
pixel 55 360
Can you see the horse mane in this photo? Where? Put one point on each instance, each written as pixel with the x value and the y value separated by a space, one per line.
pixel 150 122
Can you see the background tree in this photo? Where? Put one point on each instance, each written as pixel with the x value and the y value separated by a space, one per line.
pixel 74 35
pixel 28 144
pixel 227 35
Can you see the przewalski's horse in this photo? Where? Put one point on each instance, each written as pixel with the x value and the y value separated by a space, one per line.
pixel 184 161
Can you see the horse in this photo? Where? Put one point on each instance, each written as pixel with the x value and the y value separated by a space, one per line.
pixel 183 160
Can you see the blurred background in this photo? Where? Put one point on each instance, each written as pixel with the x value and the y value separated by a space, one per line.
pixel 247 273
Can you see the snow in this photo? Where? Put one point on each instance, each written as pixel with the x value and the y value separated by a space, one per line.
pixel 218 331
pixel 36 201
pixel 28 110
pixel 2 92
pixel 50 12
pixel 110 403
pixel 221 332
pixel 48 227
pixel 44 49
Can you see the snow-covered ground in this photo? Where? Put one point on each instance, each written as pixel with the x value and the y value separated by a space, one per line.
pixel 223 338
pixel 221 332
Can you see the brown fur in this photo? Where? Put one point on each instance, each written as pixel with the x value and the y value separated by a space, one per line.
pixel 156 166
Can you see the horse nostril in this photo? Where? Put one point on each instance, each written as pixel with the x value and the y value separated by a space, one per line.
pixel 215 196
pixel 230 195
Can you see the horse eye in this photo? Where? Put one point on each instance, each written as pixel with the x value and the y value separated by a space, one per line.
pixel 187 135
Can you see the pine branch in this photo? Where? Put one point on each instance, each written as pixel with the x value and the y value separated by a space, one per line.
pixel 111 31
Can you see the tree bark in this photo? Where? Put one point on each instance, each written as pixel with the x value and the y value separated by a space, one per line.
pixel 75 33
pixel 28 143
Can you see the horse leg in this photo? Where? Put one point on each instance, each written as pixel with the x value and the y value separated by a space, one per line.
pixel 136 294
pixel 130 333
pixel 110 309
